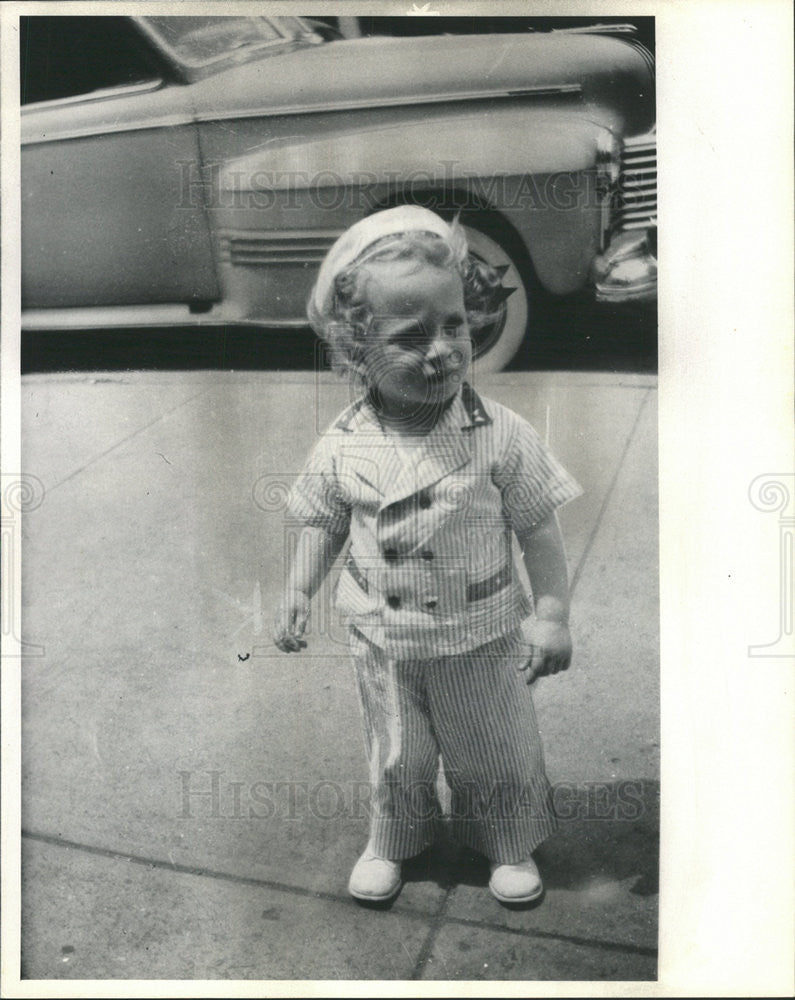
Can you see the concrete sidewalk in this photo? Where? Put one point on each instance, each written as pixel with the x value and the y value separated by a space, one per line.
pixel 193 800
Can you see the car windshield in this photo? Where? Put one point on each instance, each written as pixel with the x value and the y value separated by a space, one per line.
pixel 201 41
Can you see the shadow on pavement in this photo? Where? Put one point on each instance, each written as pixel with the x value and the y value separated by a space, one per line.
pixel 585 851
pixel 574 335
pixel 591 848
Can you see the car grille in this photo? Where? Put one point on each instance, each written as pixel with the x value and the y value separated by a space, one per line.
pixel 636 201
pixel 240 249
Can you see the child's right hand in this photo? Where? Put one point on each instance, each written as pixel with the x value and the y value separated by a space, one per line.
pixel 291 621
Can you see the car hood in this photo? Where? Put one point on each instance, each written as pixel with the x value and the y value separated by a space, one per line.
pixel 380 72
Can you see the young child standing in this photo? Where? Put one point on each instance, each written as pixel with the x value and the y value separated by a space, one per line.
pixel 429 483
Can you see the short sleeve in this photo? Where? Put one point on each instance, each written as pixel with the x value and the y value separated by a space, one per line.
pixel 317 498
pixel 532 481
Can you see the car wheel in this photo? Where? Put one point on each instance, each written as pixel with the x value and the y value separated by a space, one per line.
pixel 493 346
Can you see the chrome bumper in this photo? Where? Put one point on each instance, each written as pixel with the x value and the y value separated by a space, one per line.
pixel 627 270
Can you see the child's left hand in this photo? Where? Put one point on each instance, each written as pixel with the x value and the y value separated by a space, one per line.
pixel 548 644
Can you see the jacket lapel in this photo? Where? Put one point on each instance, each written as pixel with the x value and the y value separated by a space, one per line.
pixel 364 451
pixel 446 448
pixel 370 457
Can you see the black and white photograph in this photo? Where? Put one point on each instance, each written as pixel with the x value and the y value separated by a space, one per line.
pixel 337 511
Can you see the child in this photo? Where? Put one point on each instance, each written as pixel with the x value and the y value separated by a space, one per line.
pixel 429 482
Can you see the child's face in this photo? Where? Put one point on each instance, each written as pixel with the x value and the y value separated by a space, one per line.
pixel 417 349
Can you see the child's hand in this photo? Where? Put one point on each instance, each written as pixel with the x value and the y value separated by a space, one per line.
pixel 548 644
pixel 291 621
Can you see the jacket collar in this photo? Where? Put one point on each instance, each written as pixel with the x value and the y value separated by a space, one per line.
pixel 467 405
pixel 476 413
pixel 446 448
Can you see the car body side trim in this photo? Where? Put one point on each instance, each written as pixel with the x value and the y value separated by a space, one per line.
pixel 168 315
pixel 297 109
pixel 92 96
pixel 268 247
pixel 547 90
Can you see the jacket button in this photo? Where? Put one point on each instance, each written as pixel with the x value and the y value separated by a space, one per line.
pixel 393 601
pixel 427 555
pixel 391 555
pixel 425 501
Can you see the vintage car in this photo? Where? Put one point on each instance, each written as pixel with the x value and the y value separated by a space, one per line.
pixel 195 170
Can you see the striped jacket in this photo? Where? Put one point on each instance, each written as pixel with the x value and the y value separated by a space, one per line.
pixel 429 569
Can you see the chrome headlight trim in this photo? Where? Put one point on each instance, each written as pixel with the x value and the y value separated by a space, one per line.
pixel 608 173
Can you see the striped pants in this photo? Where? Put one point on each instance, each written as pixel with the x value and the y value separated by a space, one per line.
pixel 476 711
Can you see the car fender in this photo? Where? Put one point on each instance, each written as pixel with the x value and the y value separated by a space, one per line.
pixel 542 181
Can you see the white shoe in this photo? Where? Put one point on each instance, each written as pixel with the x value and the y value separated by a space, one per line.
pixel 375 879
pixel 519 883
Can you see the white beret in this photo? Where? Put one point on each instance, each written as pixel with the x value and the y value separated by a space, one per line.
pixel 354 241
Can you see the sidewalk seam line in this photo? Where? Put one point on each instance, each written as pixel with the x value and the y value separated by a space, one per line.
pixel 438 917
pixel 608 494
pixel 600 943
pixel 430 938
pixel 183 869
pixel 124 440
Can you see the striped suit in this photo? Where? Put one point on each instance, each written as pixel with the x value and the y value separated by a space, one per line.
pixel 434 603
